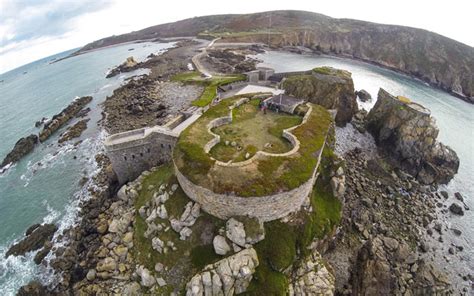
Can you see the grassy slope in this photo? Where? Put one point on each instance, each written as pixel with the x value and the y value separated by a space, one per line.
pixel 192 255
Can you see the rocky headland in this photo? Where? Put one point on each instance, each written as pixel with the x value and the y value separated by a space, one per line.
pixel 407 133
pixel 129 65
pixel 25 145
pixel 328 87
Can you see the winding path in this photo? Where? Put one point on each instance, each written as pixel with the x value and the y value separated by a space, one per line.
pixel 196 59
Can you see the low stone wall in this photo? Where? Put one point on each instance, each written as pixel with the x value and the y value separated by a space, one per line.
pixel 259 154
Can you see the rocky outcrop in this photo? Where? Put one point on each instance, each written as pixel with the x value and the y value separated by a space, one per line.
pixel 74 131
pixel 363 95
pixel 312 277
pixel 407 133
pixel 63 117
pixel 228 276
pixel 129 65
pixel 22 148
pixel 33 288
pixel 35 240
pixel 386 267
pixel 328 87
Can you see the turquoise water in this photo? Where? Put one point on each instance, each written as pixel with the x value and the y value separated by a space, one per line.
pixel 455 120
pixel 49 192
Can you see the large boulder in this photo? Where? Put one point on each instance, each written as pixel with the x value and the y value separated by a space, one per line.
pixel 328 87
pixel 126 66
pixel 372 274
pixel 229 276
pixel 35 240
pixel 312 277
pixel 407 133
pixel 363 95
pixel 385 266
pixel 22 147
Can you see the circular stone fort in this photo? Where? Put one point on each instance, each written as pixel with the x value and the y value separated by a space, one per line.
pixel 248 156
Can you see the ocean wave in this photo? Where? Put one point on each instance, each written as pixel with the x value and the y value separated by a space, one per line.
pixel 15 271
pixel 5 171
pixel 52 213
pixel 71 216
pixel 48 161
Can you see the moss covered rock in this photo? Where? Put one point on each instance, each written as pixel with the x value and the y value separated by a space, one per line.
pixel 328 87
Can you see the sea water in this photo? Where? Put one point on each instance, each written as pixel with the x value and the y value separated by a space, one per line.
pixel 454 117
pixel 44 185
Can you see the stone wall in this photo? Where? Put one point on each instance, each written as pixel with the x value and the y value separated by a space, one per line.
pixel 129 159
pixel 265 208
pixel 135 151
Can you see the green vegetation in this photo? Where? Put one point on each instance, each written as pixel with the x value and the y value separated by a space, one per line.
pixel 210 84
pixel 323 70
pixel 203 255
pixel 268 174
pixel 252 130
pixel 332 71
pixel 284 242
pixel 191 255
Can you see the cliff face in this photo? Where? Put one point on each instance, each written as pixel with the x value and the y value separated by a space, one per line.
pixel 328 87
pixel 433 58
pixel 408 133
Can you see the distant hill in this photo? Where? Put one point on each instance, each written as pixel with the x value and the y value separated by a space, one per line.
pixel 436 59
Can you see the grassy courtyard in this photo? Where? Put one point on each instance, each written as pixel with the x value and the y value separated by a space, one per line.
pixel 251 130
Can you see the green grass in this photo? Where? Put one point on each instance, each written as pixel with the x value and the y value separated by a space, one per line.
pixel 191 255
pixel 332 71
pixel 187 76
pixel 206 97
pixel 323 70
pixel 252 130
pixel 271 174
pixel 203 255
pixel 210 84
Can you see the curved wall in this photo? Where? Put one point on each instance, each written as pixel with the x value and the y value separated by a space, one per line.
pixel 265 208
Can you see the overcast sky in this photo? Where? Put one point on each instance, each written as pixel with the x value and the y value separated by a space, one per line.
pixel 33 29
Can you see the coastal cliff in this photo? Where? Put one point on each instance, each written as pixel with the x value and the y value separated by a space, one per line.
pixel 433 58
pixel 407 132
pixel 328 87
